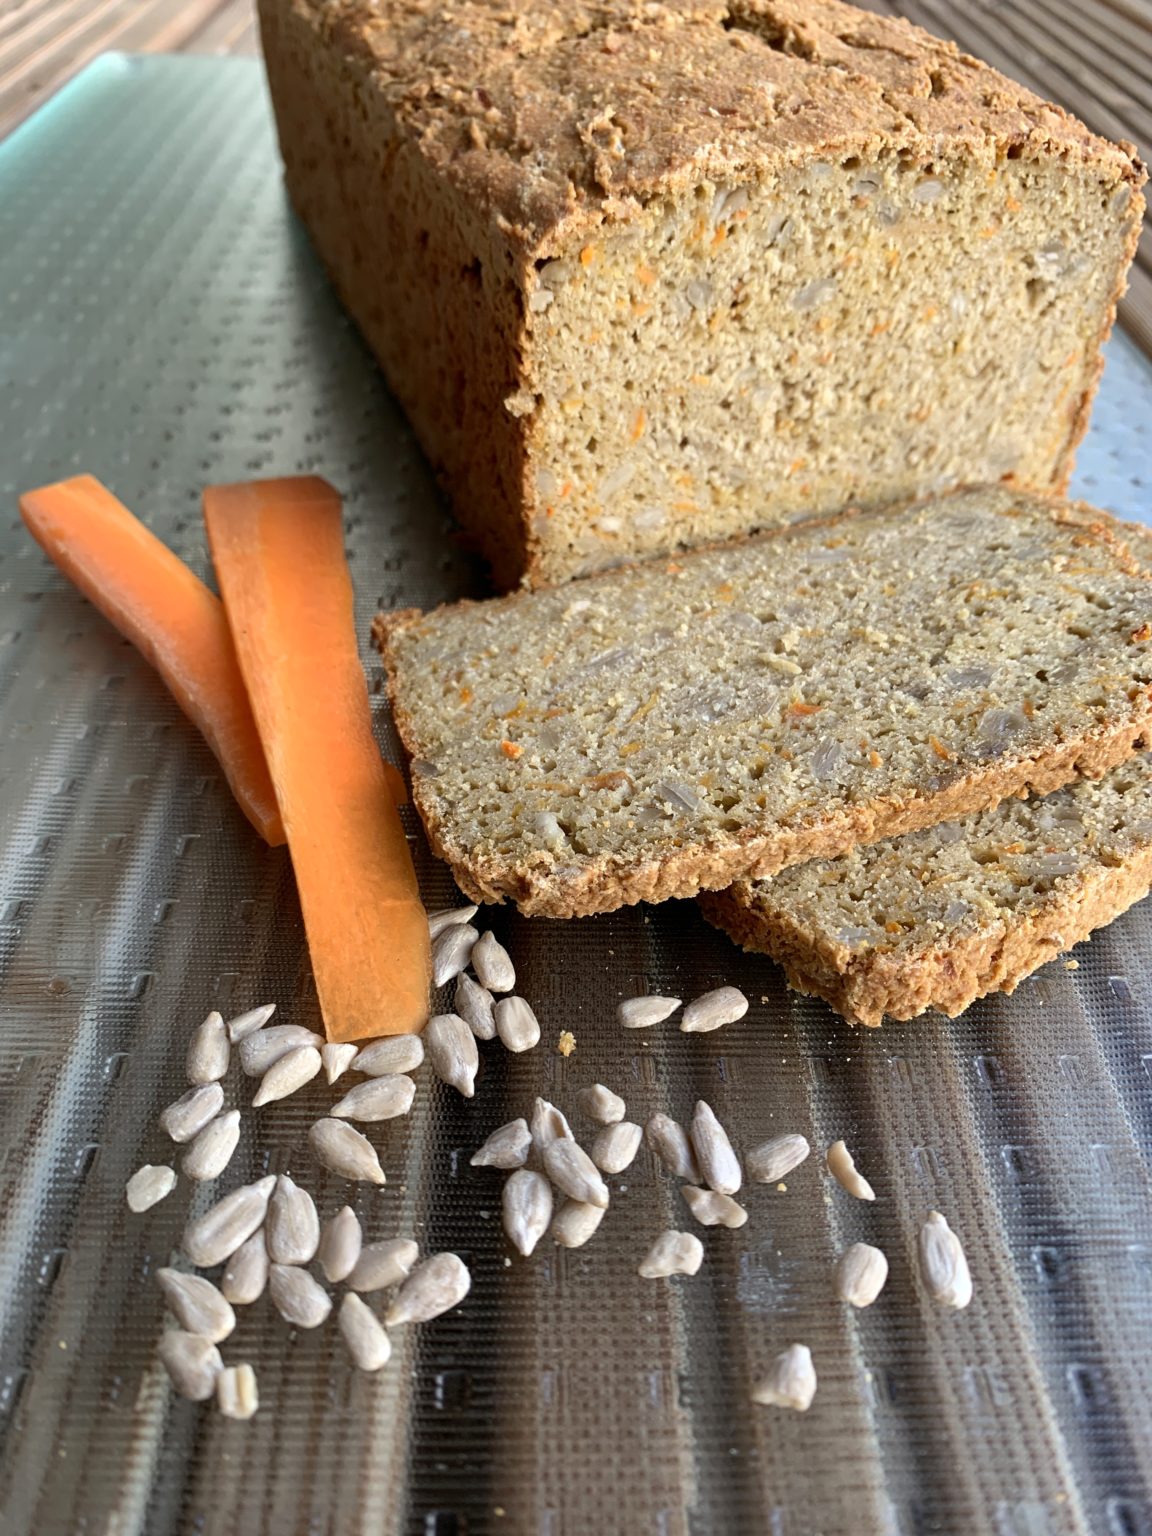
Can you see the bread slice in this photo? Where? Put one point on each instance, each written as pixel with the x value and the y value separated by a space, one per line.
pixel 646 275
pixel 677 726
pixel 940 917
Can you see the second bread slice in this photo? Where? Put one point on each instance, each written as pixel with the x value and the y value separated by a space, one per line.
pixel 675 727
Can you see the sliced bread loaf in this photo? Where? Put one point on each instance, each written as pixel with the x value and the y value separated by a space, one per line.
pixel 674 727
pixel 943 916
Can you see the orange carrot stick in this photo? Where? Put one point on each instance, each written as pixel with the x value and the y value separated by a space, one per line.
pixel 175 622
pixel 278 546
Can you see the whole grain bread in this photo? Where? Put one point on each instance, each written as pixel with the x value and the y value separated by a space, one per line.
pixel 680 725
pixel 940 917
pixel 649 275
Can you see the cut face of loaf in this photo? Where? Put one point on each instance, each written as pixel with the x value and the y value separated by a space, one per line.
pixel 648 276
pixel 941 917
pixel 676 726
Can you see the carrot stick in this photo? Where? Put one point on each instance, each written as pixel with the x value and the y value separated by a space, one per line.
pixel 278 546
pixel 175 622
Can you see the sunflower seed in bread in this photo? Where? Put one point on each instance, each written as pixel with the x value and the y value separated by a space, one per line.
pixel 341 1243
pixel 673 1253
pixel 516 1024
pixel 196 1304
pixel 642 1012
pixel 843 1169
pixel 436 1286
pixel 616 1146
pixel 236 1393
pixel 363 1332
pixel 345 1150
pixel 526 1202
pixel 208 1051
pixel 216 1235
pixel 493 964
pixel 790 1381
pixel 712 1010
pixel 188 1116
pixel 672 1145
pixel 380 1098
pixel 714 1151
pixel 259 1051
pixel 246 1272
pixel 394 1053
pixel 449 918
pixel 943 1266
pixel 576 1222
pixel 712 1209
pixel 601 1104
pixel 148 1186
pixel 337 1056
pixel 507 1147
pixel 573 1172
pixel 860 1274
pixel 248 1022
pixel 772 1160
pixel 211 1151
pixel 384 1264
pixel 192 1362
pixel 475 1005
pixel 292 1226
pixel 297 1296
pixel 451 952
pixel 451 1049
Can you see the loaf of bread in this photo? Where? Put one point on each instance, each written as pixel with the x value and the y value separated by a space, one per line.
pixel 943 916
pixel 647 275
pixel 679 725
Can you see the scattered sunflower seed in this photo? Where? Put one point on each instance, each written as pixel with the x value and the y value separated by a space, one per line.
pixel 516 1024
pixel 337 1056
pixel 526 1201
pixel 493 964
pixel 671 1144
pixel 215 1236
pixel 258 1052
pixel 575 1222
pixel 212 1150
pixel 641 1012
pixel 673 1253
pixel 616 1146
pixel 292 1227
pixel 288 1074
pixel 506 1148
pixel 380 1098
pixel 245 1024
pixel 364 1334
pixel 451 952
pixel 723 1006
pixel 573 1172
pixel 192 1362
pixel 246 1272
pixel 712 1209
pixel 449 918
pixel 196 1304
pixel 844 1171
pixel 474 1004
pixel 714 1152
pixel 601 1104
pixel 395 1053
pixel 236 1394
pixel 381 1265
pixel 188 1116
pixel 341 1243
pixel 943 1265
pixel 549 1124
pixel 299 1299
pixel 433 1287
pixel 149 1185
pixel 452 1053
pixel 772 1160
pixel 790 1381
pixel 860 1274
pixel 345 1150
pixel 208 1051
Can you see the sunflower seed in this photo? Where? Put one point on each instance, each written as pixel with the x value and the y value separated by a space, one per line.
pixel 297 1296
pixel 208 1051
pixel 433 1287
pixel 258 1052
pixel 449 918
pixel 549 1124
pixel 860 1274
pixel 844 1171
pixel 236 1394
pixel 148 1185
pixel 641 1012
pixel 289 1073
pixel 712 1209
pixel 573 1172
pixel 341 1243
pixel 345 1150
pixel 188 1116
pixel 337 1056
pixel 790 1381
pixel 942 1263
pixel 211 1152
pixel 769 1162
pixel 616 1146
pixel 670 1142
pixel 196 1304
pixel 451 952
pixel 245 1024
pixel 516 1024
pixel 714 1152
pixel 505 1148
pixel 246 1272
pixel 474 1004
pixel 380 1098
pixel 601 1104
pixel 493 964
pixel 368 1343
pixel 215 1236
pixel 292 1227
pixel 381 1265
pixel 526 1201
pixel 452 1053
pixel 723 1006
pixel 192 1362
pixel 673 1253
pixel 395 1053
pixel 575 1222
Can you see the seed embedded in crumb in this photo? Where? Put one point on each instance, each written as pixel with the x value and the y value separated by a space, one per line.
pixel 714 1151
pixel 245 1024
pixel 712 1209
pixel 346 1151
pixel 943 1266
pixel 526 1202
pixel 616 1146
pixel 192 1362
pixel 368 1342
pixel 790 1381
pixel 236 1394
pixel 712 1010
pixel 434 1287
pixel 493 964
pixel 208 1052
pixel 149 1185
pixel 642 1012
pixel 337 1056
pixel 566 1043
pixel 843 1169
pixel 769 1162
pixel 507 1147
pixel 860 1274
pixel 601 1104
pixel 451 1050
pixel 450 917
pixel 673 1253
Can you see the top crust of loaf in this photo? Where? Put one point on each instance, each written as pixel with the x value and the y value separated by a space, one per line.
pixel 552 117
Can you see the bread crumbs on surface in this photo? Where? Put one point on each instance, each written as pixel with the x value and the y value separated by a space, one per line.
pixel 511 749
pixel 782 1189
pixel 1071 965
pixel 567 1042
